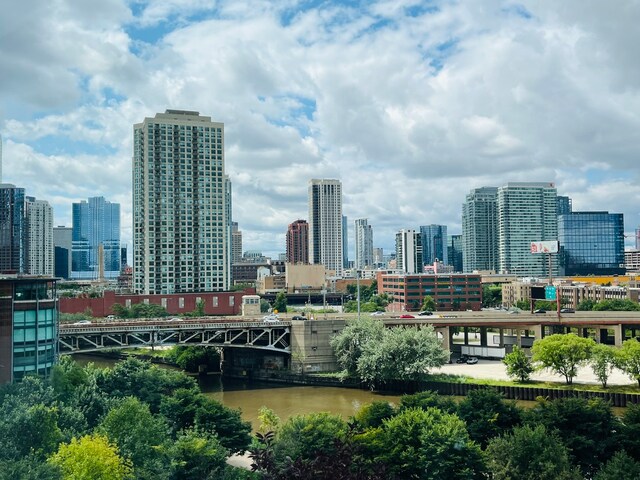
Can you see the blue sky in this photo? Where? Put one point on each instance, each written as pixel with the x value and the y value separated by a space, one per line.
pixel 410 103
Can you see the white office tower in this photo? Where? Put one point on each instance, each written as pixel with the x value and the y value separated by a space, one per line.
pixel 480 230
pixel 408 251
pixel 526 213
pixel 364 244
pixel 40 247
pixel 325 224
pixel 181 236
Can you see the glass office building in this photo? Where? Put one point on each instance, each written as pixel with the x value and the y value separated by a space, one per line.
pixel 28 327
pixel 591 243
pixel 13 229
pixel 95 239
pixel 434 244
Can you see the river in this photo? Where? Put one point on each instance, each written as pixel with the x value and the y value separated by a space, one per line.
pixel 285 400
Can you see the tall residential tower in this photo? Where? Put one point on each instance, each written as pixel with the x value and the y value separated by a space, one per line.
pixel 325 224
pixel 298 242
pixel 480 230
pixel 181 236
pixel 364 244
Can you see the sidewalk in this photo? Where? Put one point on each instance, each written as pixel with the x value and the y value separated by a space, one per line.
pixel 496 370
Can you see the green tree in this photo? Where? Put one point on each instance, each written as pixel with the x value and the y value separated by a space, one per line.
pixel 587 427
pixel 91 457
pixel 428 399
pixel 628 359
pixel 28 468
pixel 197 455
pixel 488 415
pixel 373 414
pixel 349 343
pixel 138 435
pixel 620 467
pixel 491 295
pixel 428 444
pixel 562 353
pixel 617 305
pixel 428 303
pixel 269 421
pixel 603 360
pixel 188 408
pixel 518 364
pixel 401 354
pixel 523 305
pixel 529 453
pixel 190 358
pixel 306 436
pixel 280 303
pixel 586 305
pixel 630 430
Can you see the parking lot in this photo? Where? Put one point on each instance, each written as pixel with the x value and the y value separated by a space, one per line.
pixel 496 370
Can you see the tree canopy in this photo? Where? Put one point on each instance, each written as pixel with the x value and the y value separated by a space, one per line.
pixel 562 353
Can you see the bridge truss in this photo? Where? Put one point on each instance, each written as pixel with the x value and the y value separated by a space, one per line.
pixel 256 335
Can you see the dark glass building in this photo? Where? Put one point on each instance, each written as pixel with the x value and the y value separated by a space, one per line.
pixel 454 252
pixel 591 243
pixel 13 229
pixel 28 326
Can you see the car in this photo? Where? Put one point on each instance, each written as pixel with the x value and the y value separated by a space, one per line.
pixel 567 310
pixel 513 312
pixel 111 317
pixel 472 360
pixel 377 314
pixel 175 319
pixel 406 315
pixel 271 318
pixel 425 313
pixel 540 310
pixel 298 317
pixel 462 359
pixel 83 322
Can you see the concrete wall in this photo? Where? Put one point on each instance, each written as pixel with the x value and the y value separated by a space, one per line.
pixel 310 344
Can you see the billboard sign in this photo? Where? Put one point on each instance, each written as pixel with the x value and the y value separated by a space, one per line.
pixel 544 247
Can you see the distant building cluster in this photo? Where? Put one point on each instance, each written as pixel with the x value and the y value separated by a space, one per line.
pixel 185 239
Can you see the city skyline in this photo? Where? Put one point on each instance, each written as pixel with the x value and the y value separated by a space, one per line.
pixel 386 97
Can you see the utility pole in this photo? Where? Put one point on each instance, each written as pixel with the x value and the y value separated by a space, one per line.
pixel 358 286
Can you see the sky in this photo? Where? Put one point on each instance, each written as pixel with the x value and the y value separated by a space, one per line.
pixel 411 104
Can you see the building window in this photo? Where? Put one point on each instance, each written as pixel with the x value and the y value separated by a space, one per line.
pixel 214 300
pixel 181 302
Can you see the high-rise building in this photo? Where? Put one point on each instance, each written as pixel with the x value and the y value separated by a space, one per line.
pixel 409 251
pixel 378 257
pixel 364 244
pixel 526 213
pixel 345 243
pixel 564 205
pixel 13 229
pixel 62 241
pixel 298 242
pixel 325 224
pixel 236 243
pixel 591 243
pixel 95 239
pixel 638 238
pixel 480 230
pixel 40 247
pixel 454 252
pixel 434 244
pixel 228 206
pixel 0 159
pixel 181 234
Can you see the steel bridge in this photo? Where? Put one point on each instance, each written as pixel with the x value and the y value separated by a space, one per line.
pixel 90 337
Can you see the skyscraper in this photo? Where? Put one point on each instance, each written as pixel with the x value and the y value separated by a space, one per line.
pixel 236 243
pixel 454 252
pixel 345 243
pixel 409 251
pixel 62 241
pixel 298 242
pixel 434 244
pixel 480 230
pixel 591 243
pixel 13 229
pixel 364 244
pixel 181 234
pixel 564 205
pixel 527 212
pixel 40 248
pixel 95 239
pixel 325 224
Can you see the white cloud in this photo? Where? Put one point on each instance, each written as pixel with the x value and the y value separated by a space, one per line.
pixel 409 110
